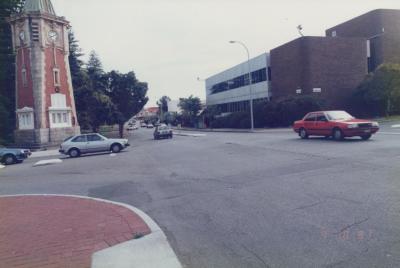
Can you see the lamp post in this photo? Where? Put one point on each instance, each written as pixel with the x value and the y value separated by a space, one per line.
pixel 250 82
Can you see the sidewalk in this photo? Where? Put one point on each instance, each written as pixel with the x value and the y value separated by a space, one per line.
pixel 257 130
pixel 68 231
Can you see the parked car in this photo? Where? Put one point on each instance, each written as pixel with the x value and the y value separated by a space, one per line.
pixel 163 131
pixel 10 156
pixel 336 124
pixel 143 124
pixel 91 143
pixel 150 125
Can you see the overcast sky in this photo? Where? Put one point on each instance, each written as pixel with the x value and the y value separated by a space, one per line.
pixel 169 43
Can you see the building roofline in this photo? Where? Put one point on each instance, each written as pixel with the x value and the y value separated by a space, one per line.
pixel 364 14
pixel 237 65
pixel 318 37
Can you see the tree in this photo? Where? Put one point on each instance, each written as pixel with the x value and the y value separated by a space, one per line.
pixel 7 70
pixel 127 94
pixel 379 93
pixel 190 109
pixel 163 105
pixel 96 74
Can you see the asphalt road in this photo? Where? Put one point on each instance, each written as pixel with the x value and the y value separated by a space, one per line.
pixel 248 200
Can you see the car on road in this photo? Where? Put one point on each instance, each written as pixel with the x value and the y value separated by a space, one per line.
pixel 10 156
pixel 143 124
pixel 163 131
pixel 336 124
pixel 150 125
pixel 91 143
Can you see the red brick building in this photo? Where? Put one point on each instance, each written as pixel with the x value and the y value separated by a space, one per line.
pixel 45 103
pixel 332 67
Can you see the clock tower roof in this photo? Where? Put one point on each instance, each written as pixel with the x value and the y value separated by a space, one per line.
pixel 43 6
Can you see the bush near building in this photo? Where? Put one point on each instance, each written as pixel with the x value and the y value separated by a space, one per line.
pixel 281 113
pixel 379 93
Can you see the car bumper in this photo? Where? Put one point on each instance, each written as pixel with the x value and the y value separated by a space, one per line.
pixel 359 132
pixel 61 151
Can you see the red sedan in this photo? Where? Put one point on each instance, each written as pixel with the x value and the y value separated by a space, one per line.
pixel 336 124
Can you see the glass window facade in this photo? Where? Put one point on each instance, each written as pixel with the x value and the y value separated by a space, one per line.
pixel 241 81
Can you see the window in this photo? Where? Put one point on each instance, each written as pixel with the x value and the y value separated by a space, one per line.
pixel 240 81
pixel 298 91
pixel 56 73
pixel 80 139
pixel 24 78
pixel 25 118
pixel 321 118
pixel 60 119
pixel 334 34
pixel 310 118
pixel 94 137
pixel 317 90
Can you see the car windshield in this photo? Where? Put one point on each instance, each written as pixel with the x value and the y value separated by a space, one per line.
pixel 339 115
pixel 163 128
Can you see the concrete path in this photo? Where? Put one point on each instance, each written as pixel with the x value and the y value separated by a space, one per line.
pixel 45 153
pixel 66 231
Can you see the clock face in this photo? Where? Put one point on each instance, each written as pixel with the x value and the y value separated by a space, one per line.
pixel 22 36
pixel 53 35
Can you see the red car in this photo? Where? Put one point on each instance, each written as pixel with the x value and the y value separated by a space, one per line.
pixel 336 124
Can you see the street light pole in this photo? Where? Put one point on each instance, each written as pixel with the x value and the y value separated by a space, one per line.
pixel 250 82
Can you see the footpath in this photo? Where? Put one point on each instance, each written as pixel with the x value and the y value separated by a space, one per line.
pixel 50 231
pixel 232 130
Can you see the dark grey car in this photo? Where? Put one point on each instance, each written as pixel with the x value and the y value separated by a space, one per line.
pixel 12 156
pixel 91 143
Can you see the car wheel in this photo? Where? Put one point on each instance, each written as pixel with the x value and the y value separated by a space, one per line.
pixel 9 159
pixel 303 134
pixel 74 153
pixel 366 137
pixel 337 134
pixel 116 148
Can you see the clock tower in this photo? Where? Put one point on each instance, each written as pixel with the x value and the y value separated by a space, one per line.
pixel 45 103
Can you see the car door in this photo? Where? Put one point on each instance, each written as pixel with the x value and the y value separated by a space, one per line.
pixel 96 143
pixel 322 126
pixel 309 123
pixel 80 142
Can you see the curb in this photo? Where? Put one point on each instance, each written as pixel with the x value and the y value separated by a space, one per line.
pixel 45 154
pixel 47 162
pixel 189 135
pixel 256 131
pixel 151 251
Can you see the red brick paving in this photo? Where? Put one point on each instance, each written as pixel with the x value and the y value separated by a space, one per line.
pixel 61 232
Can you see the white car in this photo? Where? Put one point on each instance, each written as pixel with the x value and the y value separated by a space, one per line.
pixel 91 143
pixel 150 126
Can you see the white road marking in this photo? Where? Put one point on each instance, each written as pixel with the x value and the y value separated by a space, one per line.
pixel 48 162
pixel 112 155
pixel 389 133
pixel 1 166
pixel 396 126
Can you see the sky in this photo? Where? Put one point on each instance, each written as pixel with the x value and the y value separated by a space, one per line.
pixel 170 43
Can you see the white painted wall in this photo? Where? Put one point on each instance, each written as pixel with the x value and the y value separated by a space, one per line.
pixel 260 90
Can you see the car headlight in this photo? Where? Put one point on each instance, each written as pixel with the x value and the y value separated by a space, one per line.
pixel 375 124
pixel 352 126
pixel 22 151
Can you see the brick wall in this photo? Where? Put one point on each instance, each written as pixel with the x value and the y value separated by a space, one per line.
pixel 337 65
pixel 385 44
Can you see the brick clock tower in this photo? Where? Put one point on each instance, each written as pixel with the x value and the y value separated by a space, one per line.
pixel 45 102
